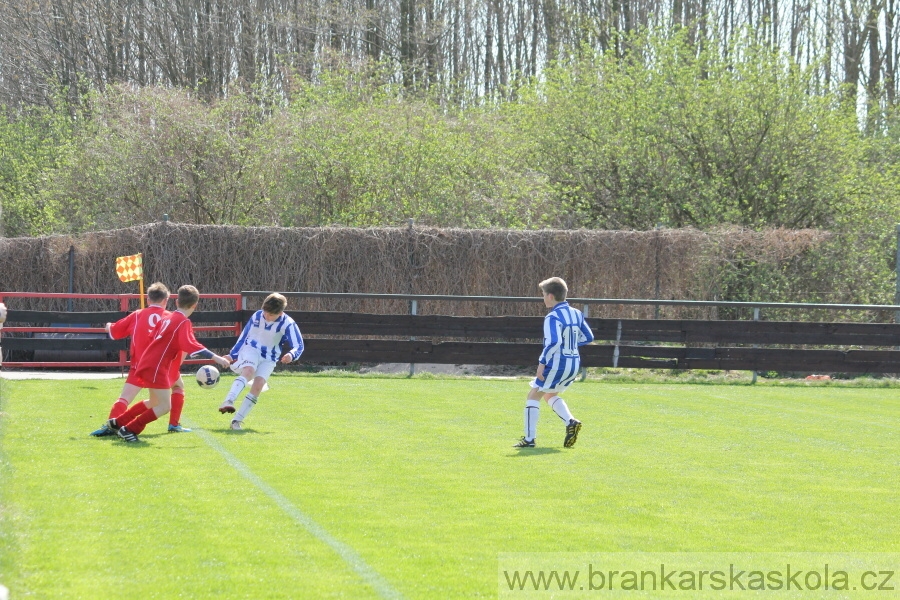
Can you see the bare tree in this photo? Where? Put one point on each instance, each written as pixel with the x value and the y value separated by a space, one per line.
pixel 471 46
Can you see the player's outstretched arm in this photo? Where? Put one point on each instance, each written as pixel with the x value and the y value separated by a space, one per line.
pixel 222 361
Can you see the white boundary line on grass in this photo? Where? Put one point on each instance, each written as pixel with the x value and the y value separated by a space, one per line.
pixel 348 554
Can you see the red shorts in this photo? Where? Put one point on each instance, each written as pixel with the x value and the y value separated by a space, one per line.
pixel 138 381
pixel 164 379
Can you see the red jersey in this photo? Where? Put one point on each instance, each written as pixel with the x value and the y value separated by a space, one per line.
pixel 139 326
pixel 172 336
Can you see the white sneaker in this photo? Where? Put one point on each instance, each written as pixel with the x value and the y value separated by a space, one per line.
pixel 227 407
pixel 237 425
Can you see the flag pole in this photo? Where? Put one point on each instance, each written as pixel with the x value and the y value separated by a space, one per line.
pixel 142 291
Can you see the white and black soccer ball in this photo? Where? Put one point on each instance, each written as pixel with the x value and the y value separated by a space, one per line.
pixel 2 313
pixel 207 376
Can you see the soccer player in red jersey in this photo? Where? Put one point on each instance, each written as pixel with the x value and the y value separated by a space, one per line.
pixel 155 371
pixel 139 326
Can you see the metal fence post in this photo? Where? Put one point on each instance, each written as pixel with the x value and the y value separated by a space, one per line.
pixel 897 272
pixel 618 339
pixel 413 310
pixel 413 304
pixel 755 318
pixel 584 369
pixel 656 244
pixel 71 276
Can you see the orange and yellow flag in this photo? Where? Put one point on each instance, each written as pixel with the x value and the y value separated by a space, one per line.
pixel 130 268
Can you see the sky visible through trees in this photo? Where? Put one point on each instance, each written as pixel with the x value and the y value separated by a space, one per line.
pixel 466 48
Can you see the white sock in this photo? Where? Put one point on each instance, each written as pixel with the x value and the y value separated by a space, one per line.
pixel 236 388
pixel 532 412
pixel 246 406
pixel 559 407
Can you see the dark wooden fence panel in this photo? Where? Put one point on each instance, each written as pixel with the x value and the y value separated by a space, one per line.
pixel 219 344
pixel 375 351
pixel 724 345
pixel 750 332
pixel 632 330
pixel 327 323
pixel 645 357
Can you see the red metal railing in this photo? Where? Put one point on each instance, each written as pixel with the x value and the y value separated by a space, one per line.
pixel 122 303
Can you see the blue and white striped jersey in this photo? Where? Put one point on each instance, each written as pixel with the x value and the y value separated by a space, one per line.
pixel 268 337
pixel 564 331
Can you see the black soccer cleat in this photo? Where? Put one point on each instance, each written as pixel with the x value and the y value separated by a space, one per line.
pixel 113 425
pixel 126 435
pixel 523 443
pixel 572 430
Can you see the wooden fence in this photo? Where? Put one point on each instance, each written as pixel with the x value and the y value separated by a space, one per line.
pixel 351 337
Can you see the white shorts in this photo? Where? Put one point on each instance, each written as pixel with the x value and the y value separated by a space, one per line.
pixel 559 389
pixel 249 357
pixel 557 379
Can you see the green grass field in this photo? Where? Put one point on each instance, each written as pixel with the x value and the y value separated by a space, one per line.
pixel 349 487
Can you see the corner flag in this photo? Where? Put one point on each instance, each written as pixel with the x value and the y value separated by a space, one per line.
pixel 131 268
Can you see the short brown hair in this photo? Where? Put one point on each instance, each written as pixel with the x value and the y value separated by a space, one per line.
pixel 157 292
pixel 556 287
pixel 188 296
pixel 274 304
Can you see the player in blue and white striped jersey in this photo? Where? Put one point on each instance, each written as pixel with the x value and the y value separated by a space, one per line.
pixel 256 352
pixel 559 364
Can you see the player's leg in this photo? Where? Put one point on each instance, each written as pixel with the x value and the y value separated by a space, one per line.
pixel 263 371
pixel 126 397
pixel 532 413
pixel 177 407
pixel 129 415
pixel 559 376
pixel 161 400
pixel 558 405
pixel 250 399
pixel 245 374
pixel 119 407
pixel 573 425
pixel 247 404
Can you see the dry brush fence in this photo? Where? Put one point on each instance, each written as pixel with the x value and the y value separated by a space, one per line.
pixel 663 263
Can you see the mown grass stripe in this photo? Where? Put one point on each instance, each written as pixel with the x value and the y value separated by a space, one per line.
pixel 348 554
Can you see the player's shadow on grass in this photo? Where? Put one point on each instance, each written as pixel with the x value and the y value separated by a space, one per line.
pixel 117 442
pixel 523 452
pixel 231 431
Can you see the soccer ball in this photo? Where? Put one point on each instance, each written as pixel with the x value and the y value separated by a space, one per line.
pixel 207 376
pixel 2 313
